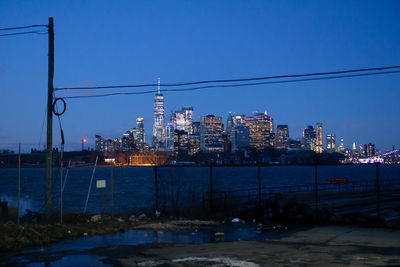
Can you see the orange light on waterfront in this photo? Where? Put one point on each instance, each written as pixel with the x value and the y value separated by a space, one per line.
pixel 83 143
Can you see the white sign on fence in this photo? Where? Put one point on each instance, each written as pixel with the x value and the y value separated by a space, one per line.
pixel 101 183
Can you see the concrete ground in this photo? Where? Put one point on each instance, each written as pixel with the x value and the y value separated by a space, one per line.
pixel 318 246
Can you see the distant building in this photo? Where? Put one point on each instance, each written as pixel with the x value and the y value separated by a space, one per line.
pixel 232 121
pixel 296 143
pixel 194 139
pixel 196 127
pixel 318 147
pixel 330 143
pixel 194 144
pixel 226 143
pixel 211 133
pixel 309 138
pixel 99 143
pixel 240 138
pixel 169 137
pixel 183 119
pixel 282 137
pixel 261 131
pixel 158 126
pixel 369 150
pixel 341 148
pixel 181 143
pixel 140 134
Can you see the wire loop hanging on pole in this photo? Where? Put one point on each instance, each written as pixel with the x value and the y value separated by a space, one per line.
pixel 64 106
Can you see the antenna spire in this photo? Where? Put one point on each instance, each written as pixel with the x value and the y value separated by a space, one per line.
pixel 159 90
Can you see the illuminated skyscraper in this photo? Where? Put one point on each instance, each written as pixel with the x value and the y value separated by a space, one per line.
pixel 318 147
pixel 240 138
pixel 211 133
pixel 282 137
pixel 140 134
pixel 231 123
pixel 181 143
pixel 330 143
pixel 369 150
pixel 309 138
pixel 341 147
pixel 169 137
pixel 183 119
pixel 261 130
pixel 158 127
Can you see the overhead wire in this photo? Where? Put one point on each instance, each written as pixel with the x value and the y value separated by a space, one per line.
pixel 232 85
pixel 21 33
pixel 230 80
pixel 22 27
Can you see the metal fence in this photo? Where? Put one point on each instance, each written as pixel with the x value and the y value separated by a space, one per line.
pixel 196 191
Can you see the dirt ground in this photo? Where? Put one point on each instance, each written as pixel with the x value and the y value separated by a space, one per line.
pixel 319 246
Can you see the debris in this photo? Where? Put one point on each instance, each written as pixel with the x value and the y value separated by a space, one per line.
pixel 120 220
pixel 157 213
pixel 95 218
pixel 85 234
pixel 142 216
pixel 237 220
pixel 218 234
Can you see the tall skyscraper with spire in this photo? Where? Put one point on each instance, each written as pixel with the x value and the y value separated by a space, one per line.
pixel 158 126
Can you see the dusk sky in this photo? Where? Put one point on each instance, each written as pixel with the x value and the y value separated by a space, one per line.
pixel 133 42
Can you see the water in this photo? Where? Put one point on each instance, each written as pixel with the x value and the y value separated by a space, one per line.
pixel 134 188
pixel 81 251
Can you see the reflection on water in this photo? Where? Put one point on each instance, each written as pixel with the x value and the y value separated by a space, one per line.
pixel 60 253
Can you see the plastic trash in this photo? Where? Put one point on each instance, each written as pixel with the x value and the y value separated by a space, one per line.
pixel 236 220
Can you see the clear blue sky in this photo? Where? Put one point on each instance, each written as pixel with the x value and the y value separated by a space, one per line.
pixel 125 42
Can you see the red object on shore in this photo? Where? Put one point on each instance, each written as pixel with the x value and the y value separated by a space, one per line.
pixel 339 181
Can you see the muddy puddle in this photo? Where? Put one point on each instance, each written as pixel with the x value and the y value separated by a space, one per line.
pixel 82 251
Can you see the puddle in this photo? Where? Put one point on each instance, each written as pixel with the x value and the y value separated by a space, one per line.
pixel 73 251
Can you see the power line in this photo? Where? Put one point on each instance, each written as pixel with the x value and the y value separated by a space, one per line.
pixel 233 85
pixel 22 27
pixel 231 80
pixel 20 33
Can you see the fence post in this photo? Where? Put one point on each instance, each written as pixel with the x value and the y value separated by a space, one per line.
pixel 211 188
pixel 316 184
pixel 112 190
pixel 378 204
pixel 156 187
pixel 19 181
pixel 259 182
pixel 61 181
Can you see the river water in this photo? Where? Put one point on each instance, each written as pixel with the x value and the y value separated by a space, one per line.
pixel 134 187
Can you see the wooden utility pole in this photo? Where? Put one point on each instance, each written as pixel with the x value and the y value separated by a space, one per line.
pixel 49 153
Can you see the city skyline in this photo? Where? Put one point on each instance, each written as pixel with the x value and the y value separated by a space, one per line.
pixel 177 135
pixel 201 41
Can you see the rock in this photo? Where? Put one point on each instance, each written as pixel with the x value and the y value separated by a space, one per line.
pixel 237 220
pixel 133 218
pixel 142 216
pixel 120 220
pixel 157 213
pixel 95 218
